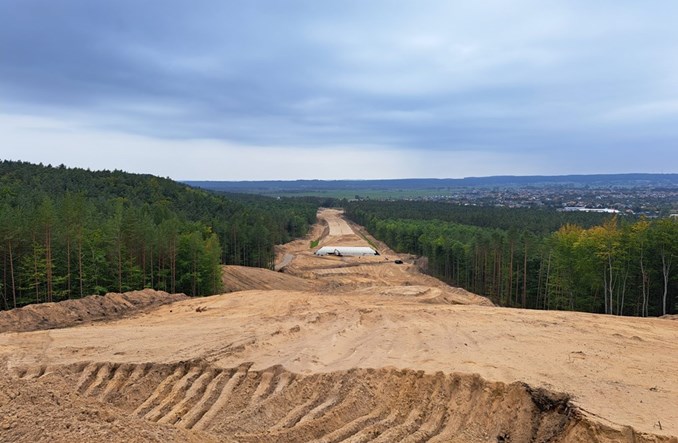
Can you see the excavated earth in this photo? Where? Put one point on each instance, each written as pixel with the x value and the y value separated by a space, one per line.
pixel 91 308
pixel 335 349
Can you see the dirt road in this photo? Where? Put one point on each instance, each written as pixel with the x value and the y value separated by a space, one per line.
pixel 368 351
pixel 338 226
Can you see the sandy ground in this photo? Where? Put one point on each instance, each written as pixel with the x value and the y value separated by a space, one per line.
pixel 289 364
pixel 241 278
pixel 80 311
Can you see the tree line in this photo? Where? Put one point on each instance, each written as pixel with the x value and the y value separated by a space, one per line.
pixel 66 233
pixel 537 258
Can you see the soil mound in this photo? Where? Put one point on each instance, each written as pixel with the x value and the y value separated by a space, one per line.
pixel 43 410
pixel 91 308
pixel 242 278
pixel 275 405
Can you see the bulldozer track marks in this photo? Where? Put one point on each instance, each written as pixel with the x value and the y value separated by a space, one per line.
pixel 221 400
pixel 358 405
pixel 206 401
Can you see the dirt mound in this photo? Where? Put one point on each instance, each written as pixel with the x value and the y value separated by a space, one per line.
pixel 241 278
pixel 73 312
pixel 44 410
pixel 616 369
pixel 272 405
pixel 427 294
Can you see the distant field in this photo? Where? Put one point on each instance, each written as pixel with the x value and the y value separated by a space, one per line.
pixel 429 187
pixel 377 194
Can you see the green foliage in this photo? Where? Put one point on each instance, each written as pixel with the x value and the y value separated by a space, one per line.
pixel 538 221
pixel 69 232
pixel 534 258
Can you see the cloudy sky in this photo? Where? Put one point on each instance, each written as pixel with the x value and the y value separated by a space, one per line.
pixel 247 90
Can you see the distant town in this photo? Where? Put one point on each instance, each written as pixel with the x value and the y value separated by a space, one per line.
pixel 648 201
pixel 649 195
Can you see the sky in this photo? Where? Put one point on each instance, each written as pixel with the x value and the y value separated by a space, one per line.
pixel 344 89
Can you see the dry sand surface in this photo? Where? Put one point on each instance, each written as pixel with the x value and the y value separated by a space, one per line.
pixel 343 349
pixel 87 309
pixel 241 278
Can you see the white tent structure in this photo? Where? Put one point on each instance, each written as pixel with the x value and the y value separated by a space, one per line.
pixel 346 251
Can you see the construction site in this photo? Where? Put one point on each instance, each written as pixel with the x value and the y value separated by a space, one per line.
pixel 337 347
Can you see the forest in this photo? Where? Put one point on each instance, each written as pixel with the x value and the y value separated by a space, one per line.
pixel 66 233
pixel 540 259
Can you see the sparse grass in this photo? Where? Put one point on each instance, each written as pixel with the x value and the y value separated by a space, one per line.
pixel 371 243
pixel 314 243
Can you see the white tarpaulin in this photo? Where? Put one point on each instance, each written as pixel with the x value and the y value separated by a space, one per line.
pixel 350 251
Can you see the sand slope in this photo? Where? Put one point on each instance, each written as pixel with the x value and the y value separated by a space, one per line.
pixel 278 405
pixel 241 278
pixel 90 308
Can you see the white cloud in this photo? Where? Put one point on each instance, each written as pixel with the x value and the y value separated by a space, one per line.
pixel 51 141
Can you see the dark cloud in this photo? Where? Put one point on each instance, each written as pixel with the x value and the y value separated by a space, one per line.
pixel 431 76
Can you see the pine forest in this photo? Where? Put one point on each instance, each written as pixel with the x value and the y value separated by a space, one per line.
pixel 540 259
pixel 66 233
